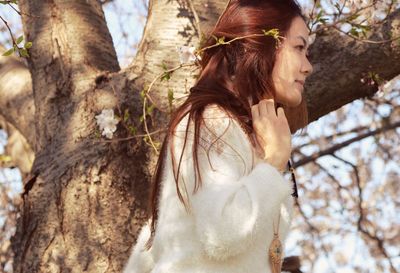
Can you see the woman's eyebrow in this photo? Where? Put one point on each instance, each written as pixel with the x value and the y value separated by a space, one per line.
pixel 303 39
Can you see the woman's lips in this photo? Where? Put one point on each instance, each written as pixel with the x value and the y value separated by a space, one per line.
pixel 301 84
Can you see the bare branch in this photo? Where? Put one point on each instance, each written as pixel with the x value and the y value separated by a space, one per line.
pixel 331 150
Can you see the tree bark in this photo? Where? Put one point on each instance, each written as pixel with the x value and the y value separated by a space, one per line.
pixel 340 63
pixel 86 199
pixel 81 196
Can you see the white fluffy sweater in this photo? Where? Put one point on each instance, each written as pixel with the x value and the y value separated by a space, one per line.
pixel 229 225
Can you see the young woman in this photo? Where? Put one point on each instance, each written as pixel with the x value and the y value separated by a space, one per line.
pixel 220 201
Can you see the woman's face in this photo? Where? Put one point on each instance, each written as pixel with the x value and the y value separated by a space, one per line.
pixel 292 65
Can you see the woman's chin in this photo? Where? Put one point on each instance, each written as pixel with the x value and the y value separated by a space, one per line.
pixel 291 102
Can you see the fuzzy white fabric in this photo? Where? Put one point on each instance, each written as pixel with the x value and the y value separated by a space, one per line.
pixel 228 226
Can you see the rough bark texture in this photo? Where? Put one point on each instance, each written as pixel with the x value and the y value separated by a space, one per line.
pixel 79 200
pixel 340 62
pixel 85 199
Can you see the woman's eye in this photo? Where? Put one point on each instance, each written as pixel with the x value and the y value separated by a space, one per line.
pixel 301 48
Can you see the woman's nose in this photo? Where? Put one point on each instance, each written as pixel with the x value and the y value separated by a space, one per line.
pixel 308 68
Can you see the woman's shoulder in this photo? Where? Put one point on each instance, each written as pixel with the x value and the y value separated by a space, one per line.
pixel 217 119
pixel 215 111
pixel 223 129
pixel 214 117
pixel 219 133
pixel 216 125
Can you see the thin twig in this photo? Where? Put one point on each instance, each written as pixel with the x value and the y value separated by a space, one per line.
pixel 129 138
pixel 9 30
pixel 362 218
pixel 147 96
pixel 17 11
pixel 365 40
pixel 21 13
pixel 234 39
pixel 145 126
pixel 343 20
pixel 196 18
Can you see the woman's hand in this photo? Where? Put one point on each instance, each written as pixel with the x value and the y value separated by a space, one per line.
pixel 272 133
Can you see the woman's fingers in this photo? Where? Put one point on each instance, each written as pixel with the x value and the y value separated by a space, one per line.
pixel 254 112
pixel 280 112
pixel 262 106
pixel 271 107
pixel 267 106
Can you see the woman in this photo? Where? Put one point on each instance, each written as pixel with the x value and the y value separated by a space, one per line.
pixel 220 201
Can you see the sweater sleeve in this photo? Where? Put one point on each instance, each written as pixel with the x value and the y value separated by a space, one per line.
pixel 236 199
pixel 140 260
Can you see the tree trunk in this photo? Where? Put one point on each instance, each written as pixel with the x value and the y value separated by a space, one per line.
pixel 86 199
pixel 81 197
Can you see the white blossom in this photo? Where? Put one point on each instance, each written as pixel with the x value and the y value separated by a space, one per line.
pixel 107 122
pixel 186 54
pixel 311 38
pixel 383 89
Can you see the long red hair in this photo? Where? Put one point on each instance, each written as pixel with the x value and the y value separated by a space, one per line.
pixel 245 64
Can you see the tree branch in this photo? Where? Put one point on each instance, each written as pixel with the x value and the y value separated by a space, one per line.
pixel 331 150
pixel 362 218
pixel 340 63
pixel 16 99
pixel 17 148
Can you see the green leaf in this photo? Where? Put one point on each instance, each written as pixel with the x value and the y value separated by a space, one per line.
pixel 132 130
pixel 353 17
pixel 354 32
pixel 23 52
pixel 221 40
pixel 20 39
pixel 143 93
pixel 272 32
pixel 8 52
pixel 126 115
pixel 28 45
pixel 150 109
pixel 166 76
pixel 319 15
pixel 337 6
pixel 170 96
pixel 364 29
pixel 164 66
pixel 5 158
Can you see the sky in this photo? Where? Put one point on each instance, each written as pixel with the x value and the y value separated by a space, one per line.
pixel 126 30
